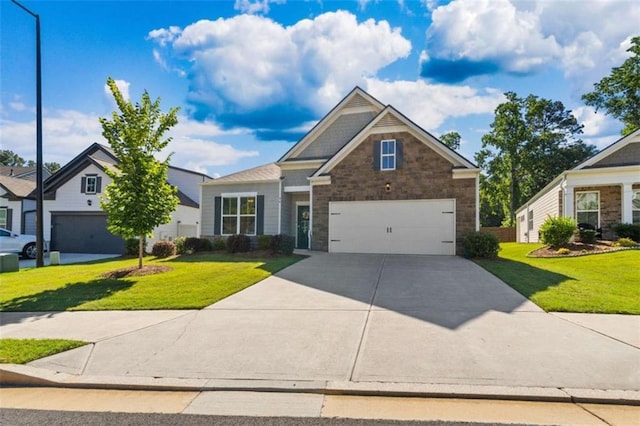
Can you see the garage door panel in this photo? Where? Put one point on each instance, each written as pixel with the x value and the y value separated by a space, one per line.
pixel 395 227
pixel 83 233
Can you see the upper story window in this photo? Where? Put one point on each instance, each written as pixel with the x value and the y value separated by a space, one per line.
pixel 588 208
pixel 388 154
pixel 239 215
pixel 90 187
pixel 635 206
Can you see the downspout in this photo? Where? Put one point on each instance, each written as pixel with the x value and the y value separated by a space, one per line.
pixel 280 205
pixel 310 213
pixel 478 203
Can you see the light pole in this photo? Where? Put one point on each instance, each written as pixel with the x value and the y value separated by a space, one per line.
pixel 39 165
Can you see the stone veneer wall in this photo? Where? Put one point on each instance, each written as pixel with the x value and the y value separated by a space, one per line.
pixel 610 206
pixel 424 175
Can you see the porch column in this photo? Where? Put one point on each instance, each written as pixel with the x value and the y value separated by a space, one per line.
pixel 627 198
pixel 569 202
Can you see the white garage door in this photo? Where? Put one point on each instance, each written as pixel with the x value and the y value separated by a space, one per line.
pixel 395 227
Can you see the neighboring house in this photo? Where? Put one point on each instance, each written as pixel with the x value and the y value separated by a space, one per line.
pixel 23 172
pixel 17 210
pixel 74 221
pixel 601 191
pixel 364 179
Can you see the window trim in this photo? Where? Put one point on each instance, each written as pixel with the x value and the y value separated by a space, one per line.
pixel 635 193
pixel 95 184
pixel 238 196
pixel 588 211
pixel 393 155
pixel 530 220
pixel 6 217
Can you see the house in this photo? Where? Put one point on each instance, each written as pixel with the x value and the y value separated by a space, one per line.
pixel 17 209
pixel 364 179
pixel 23 172
pixel 602 191
pixel 74 222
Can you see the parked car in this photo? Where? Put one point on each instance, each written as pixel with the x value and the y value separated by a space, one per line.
pixel 10 242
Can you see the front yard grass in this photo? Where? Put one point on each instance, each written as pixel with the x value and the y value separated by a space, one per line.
pixel 603 283
pixel 196 281
pixel 21 351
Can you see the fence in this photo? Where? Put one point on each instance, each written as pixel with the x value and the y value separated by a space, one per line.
pixel 505 235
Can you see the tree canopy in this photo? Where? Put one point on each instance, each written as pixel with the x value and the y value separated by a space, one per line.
pixel 139 197
pixel 10 158
pixel 451 139
pixel 531 141
pixel 619 93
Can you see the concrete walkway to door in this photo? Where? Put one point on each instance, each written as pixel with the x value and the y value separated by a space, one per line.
pixel 359 318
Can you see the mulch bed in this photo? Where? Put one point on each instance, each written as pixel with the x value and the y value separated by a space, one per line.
pixel 578 249
pixel 134 271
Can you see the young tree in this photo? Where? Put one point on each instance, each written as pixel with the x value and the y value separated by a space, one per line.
pixel 139 198
pixel 532 140
pixel 619 93
pixel 10 158
pixel 451 139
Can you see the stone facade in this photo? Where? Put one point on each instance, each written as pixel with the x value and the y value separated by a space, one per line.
pixel 610 206
pixel 424 175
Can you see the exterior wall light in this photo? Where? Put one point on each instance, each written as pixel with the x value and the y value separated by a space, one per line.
pixel 387 187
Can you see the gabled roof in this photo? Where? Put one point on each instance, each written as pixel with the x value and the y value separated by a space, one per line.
pixel 357 98
pixel 261 174
pixel 16 187
pixel 390 117
pixel 605 152
pixel 16 171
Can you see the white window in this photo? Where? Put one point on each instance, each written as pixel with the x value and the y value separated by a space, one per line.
pixel 588 208
pixel 91 184
pixel 239 215
pixel 530 220
pixel 635 206
pixel 388 154
pixel 3 218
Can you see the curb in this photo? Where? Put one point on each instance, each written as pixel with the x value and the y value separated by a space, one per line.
pixel 27 376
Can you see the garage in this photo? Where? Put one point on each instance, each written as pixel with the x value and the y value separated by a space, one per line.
pixel 83 233
pixel 393 227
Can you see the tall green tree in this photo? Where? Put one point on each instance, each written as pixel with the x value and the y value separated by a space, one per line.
pixel 52 166
pixel 139 197
pixel 451 139
pixel 532 140
pixel 619 93
pixel 10 158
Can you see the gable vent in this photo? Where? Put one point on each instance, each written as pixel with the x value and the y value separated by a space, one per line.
pixel 389 120
pixel 357 101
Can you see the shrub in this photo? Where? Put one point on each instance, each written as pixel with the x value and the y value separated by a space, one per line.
pixel 557 231
pixel 626 242
pixel 179 242
pixel 194 245
pixel 563 250
pixel 206 244
pixel 264 242
pixel 131 246
pixel 163 249
pixel 238 243
pixel 587 236
pixel 281 243
pixel 627 230
pixel 219 243
pixel 481 244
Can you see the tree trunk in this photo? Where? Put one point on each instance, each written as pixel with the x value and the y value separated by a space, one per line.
pixel 140 250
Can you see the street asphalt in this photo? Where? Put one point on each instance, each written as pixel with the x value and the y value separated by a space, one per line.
pixel 353 320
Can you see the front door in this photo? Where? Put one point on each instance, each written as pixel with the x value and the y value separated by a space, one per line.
pixel 302 240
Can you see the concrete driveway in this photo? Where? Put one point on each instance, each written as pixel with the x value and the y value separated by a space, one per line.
pixel 367 318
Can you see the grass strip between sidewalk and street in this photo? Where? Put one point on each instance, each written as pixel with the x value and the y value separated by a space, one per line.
pixel 194 282
pixel 22 351
pixel 603 283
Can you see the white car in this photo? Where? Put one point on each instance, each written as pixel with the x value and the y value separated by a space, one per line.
pixel 10 242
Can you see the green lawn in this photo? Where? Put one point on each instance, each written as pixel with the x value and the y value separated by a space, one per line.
pixel 196 281
pixel 21 351
pixel 602 283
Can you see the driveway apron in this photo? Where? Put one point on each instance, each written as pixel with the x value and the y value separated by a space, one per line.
pixel 380 318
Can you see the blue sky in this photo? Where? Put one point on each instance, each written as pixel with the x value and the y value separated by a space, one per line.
pixel 252 76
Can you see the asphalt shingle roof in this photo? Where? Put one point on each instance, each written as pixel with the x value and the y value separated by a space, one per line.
pixel 18 187
pixel 267 172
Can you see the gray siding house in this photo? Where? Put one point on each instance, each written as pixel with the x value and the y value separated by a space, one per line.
pixel 365 179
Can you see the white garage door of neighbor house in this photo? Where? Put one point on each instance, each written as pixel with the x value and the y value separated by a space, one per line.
pixel 394 227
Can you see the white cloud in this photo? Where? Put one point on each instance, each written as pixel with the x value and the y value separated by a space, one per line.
pixel 17 106
pixel 67 133
pixel 255 6
pixel 123 87
pixel 163 36
pixel 248 64
pixel 428 105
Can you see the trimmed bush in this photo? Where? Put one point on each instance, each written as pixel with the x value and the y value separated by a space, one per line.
pixel 194 245
pixel 163 249
pixel 281 243
pixel 587 236
pixel 481 245
pixel 131 246
pixel 557 231
pixel 626 242
pixel 179 242
pixel 206 244
pixel 219 243
pixel 627 230
pixel 238 243
pixel 264 242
